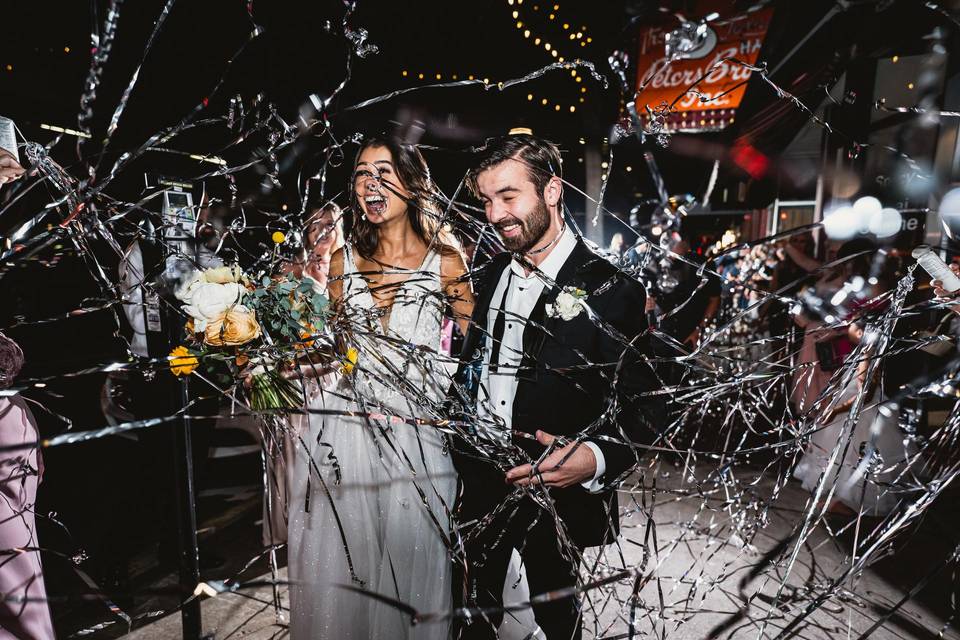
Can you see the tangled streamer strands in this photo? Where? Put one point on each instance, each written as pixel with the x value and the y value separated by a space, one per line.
pixel 718 539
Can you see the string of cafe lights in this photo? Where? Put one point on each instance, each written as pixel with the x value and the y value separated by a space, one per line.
pixel 530 97
pixel 578 35
pixel 9 67
pixel 438 76
pixel 551 48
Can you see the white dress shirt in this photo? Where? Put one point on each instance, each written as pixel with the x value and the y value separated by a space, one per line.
pixel 519 292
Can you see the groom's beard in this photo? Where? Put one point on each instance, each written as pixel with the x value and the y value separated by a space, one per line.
pixel 533 228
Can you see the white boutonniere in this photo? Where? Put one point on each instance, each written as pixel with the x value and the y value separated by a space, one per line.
pixel 568 305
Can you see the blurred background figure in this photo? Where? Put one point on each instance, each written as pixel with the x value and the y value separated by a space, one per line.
pixel 873 451
pixel 616 248
pixel 21 573
pixel 826 343
pixel 321 236
pixel 139 393
pixel 692 304
pixel 795 268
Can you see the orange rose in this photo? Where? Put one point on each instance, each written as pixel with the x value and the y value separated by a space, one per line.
pixel 235 327
pixel 306 336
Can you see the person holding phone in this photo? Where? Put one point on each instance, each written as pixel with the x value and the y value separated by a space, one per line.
pixel 939 290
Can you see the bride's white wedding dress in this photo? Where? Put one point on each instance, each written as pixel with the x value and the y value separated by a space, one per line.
pixel 371 497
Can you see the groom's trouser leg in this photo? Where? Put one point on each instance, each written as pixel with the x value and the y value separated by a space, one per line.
pixel 485 577
pixel 487 562
pixel 548 570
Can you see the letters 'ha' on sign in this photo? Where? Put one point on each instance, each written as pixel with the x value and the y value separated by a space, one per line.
pixel 712 104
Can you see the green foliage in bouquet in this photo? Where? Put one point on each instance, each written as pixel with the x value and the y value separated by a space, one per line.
pixel 289 310
pixel 235 325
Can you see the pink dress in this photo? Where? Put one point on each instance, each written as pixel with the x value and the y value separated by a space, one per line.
pixel 21 575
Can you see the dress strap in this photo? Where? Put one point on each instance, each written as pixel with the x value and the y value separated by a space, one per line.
pixel 432 263
pixel 436 259
pixel 349 269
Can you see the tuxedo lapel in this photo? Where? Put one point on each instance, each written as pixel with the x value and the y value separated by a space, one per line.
pixel 539 325
pixel 471 355
pixel 476 334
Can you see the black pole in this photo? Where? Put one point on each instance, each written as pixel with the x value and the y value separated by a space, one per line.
pixel 165 330
pixel 189 556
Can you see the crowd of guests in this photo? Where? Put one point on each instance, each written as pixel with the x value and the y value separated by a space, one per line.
pixel 802 310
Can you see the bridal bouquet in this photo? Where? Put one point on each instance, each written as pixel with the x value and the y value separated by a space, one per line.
pixel 244 326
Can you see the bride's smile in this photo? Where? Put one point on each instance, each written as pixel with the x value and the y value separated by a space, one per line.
pixel 381 193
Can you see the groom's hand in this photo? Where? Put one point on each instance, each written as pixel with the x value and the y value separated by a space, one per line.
pixel 580 466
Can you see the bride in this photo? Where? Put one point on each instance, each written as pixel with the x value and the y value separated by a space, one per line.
pixel 370 495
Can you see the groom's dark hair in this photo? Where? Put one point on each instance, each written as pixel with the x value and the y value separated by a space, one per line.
pixel 541 157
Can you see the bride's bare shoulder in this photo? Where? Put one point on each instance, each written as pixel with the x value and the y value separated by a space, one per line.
pixel 336 262
pixel 452 261
pixel 335 275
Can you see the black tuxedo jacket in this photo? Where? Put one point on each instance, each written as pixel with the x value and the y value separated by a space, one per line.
pixel 579 375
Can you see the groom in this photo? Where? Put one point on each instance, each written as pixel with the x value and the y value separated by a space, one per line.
pixel 556 349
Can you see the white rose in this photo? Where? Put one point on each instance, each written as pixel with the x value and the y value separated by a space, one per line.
pixel 568 305
pixel 209 301
pixel 223 275
pixel 186 289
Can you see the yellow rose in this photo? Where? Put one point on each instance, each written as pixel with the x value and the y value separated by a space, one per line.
pixel 223 275
pixel 182 362
pixel 350 361
pixel 235 327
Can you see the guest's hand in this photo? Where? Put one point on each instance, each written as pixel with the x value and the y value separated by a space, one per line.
pixel 298 371
pixel 938 286
pixel 579 467
pixel 10 169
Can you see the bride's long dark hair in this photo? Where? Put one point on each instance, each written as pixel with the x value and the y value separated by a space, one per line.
pixel 413 172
